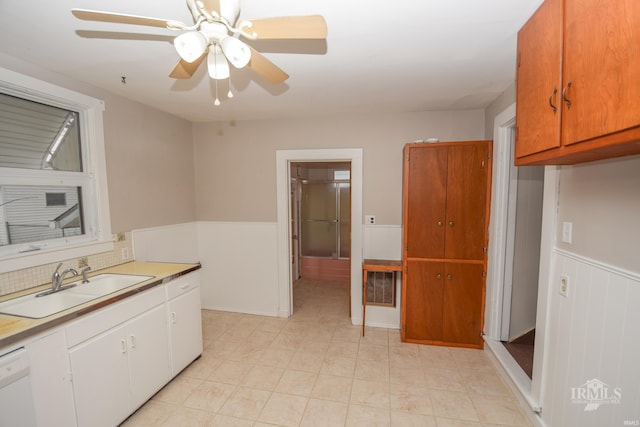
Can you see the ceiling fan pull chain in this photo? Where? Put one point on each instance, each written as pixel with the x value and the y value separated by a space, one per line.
pixel 229 94
pixel 215 68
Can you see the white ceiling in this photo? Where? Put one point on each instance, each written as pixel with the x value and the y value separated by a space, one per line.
pixel 391 56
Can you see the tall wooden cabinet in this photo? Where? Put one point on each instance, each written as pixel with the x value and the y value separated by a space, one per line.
pixel 578 82
pixel 446 193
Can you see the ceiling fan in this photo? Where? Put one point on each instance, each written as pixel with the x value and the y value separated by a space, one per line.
pixel 216 35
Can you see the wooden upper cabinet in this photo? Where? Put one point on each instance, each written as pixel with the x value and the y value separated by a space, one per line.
pixel 602 63
pixel 578 82
pixel 539 81
pixel 426 195
pixel 446 200
pixel 467 188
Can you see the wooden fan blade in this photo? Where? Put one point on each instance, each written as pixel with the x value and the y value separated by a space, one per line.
pixel 184 69
pixel 266 68
pixel 122 18
pixel 290 27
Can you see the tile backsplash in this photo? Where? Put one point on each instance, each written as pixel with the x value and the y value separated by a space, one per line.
pixel 18 280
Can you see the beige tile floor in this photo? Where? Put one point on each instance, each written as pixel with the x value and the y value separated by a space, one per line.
pixel 315 369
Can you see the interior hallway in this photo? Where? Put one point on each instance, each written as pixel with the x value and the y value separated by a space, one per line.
pixel 315 369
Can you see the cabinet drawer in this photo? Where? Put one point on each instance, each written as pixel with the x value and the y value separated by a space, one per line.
pixel 113 315
pixel 182 285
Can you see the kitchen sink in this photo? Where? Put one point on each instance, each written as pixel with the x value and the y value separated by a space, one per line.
pixel 43 306
pixel 104 284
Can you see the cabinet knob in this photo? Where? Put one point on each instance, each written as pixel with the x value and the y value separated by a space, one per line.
pixel 451 223
pixel 551 99
pixel 449 276
pixel 564 94
pixel 439 276
pixel 440 224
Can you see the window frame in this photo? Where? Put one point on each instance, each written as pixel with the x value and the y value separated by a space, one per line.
pixel 93 179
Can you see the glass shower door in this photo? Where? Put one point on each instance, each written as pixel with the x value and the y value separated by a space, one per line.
pixel 325 214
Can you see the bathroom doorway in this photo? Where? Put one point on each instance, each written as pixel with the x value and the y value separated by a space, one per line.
pixel 321 220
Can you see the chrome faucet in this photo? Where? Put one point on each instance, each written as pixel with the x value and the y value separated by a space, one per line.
pixel 57 278
pixel 56 281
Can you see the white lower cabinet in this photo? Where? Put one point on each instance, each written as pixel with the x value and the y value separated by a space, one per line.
pixel 185 325
pixel 98 369
pixel 117 371
pixel 50 377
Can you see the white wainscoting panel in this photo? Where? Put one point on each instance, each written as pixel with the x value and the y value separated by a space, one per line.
pixel 171 243
pixel 240 266
pixel 382 242
pixel 594 335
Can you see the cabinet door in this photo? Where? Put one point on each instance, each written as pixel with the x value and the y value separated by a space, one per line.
pixel 463 297
pixel 422 295
pixel 50 375
pixel 467 191
pixel 101 379
pixel 425 191
pixel 602 62
pixel 149 364
pixel 186 329
pixel 539 81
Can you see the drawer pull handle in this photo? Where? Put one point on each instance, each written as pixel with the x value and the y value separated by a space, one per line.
pixel 439 276
pixel 553 107
pixel 564 95
pixel 184 286
pixel 173 317
pixel 451 223
pixel 123 346
pixel 449 277
pixel 132 340
pixel 440 224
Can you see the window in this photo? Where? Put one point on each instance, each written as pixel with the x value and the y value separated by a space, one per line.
pixel 56 199
pixel 52 173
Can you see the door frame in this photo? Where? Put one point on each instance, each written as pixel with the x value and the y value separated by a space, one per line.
pixel 283 202
pixel 531 389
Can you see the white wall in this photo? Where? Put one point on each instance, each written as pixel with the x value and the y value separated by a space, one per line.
pixel 173 243
pixel 594 333
pixel 526 258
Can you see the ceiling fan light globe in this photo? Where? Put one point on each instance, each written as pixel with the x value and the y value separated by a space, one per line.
pixel 236 51
pixel 190 46
pixel 217 64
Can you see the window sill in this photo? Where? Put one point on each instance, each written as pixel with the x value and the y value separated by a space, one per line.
pixel 50 255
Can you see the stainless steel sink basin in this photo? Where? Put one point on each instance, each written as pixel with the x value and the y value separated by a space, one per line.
pixel 98 286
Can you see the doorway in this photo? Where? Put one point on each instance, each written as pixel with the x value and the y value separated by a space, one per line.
pixel 285 272
pixel 522 262
pixel 320 218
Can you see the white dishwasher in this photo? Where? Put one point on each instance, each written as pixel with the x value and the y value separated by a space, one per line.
pixel 16 402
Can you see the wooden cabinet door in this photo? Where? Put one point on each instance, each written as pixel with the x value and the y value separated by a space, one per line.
pixel 467 191
pixel 539 81
pixel 602 62
pixel 463 294
pixel 425 201
pixel 423 293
